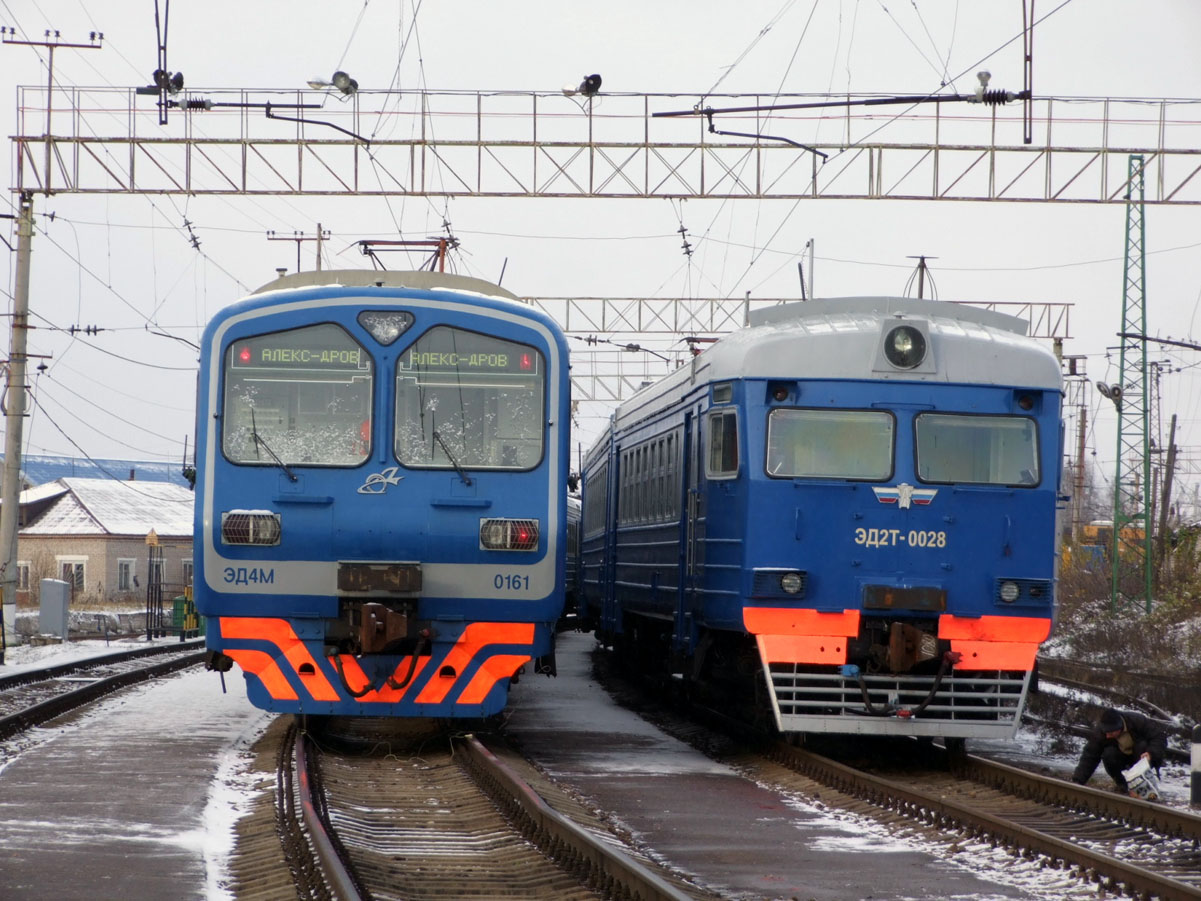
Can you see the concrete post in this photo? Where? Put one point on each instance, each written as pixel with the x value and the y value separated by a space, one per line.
pixel 1195 799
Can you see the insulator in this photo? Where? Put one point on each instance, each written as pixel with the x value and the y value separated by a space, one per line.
pixel 198 104
pixel 996 98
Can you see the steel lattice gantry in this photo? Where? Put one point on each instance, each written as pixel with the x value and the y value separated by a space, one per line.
pixel 523 144
pixel 1132 493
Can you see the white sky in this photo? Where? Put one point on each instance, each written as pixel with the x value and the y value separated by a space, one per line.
pixel 123 262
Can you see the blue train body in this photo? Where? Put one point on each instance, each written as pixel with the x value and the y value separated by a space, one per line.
pixel 380 510
pixel 848 509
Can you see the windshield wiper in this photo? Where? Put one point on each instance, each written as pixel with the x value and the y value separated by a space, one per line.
pixel 259 441
pixel 453 462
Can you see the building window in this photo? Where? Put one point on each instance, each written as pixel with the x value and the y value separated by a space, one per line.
pixel 157 571
pixel 125 570
pixel 23 575
pixel 186 568
pixel 71 571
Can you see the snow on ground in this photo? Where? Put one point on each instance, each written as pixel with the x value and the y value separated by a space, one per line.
pixel 235 786
pixel 199 707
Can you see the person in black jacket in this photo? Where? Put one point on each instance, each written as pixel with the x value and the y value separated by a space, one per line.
pixel 1121 737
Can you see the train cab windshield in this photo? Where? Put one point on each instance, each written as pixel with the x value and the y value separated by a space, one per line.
pixel 983 450
pixel 469 400
pixel 830 444
pixel 301 396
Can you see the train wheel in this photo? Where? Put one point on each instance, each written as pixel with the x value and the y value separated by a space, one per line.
pixel 956 752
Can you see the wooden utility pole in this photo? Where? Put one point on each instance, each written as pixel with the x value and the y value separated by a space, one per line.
pixel 300 238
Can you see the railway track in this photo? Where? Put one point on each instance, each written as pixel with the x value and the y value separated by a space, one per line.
pixel 1146 850
pixel 1123 844
pixel 449 818
pixel 31 697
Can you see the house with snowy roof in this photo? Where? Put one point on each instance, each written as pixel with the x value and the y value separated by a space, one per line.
pixel 92 534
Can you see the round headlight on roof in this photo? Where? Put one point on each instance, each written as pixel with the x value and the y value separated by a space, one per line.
pixel 905 347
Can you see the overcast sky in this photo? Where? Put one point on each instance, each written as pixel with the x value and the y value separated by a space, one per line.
pixel 127 265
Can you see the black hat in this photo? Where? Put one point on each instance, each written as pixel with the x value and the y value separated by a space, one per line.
pixel 1111 720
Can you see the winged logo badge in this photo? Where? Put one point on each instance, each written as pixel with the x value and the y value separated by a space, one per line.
pixel 378 482
pixel 904 494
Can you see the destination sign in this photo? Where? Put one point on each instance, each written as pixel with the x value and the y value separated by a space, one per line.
pixel 322 348
pixel 514 358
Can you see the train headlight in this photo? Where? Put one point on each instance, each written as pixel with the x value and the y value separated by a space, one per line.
pixel 1009 592
pixel 509 534
pixel 257 527
pixel 905 347
pixel 792 583
pixel 385 326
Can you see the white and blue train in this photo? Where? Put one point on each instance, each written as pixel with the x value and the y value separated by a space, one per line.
pixel 842 516
pixel 380 492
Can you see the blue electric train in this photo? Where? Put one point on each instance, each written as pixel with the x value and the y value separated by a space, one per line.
pixel 842 516
pixel 380 492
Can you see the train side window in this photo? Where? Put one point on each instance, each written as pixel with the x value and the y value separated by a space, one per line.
pixel 829 444
pixel 975 449
pixel 723 445
pixel 468 400
pixel 302 395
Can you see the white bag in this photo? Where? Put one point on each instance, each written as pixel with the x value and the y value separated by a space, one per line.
pixel 1142 781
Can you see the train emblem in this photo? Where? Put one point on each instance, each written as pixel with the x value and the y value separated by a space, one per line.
pixel 905 494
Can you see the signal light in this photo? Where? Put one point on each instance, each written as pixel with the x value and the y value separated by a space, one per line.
pixel 509 534
pixel 244 355
pixel 526 363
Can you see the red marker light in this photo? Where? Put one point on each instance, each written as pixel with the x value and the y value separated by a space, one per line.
pixel 244 355
pixel 525 361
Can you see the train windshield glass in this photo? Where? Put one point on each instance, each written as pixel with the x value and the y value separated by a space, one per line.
pixel 983 450
pixel 301 397
pixel 466 400
pixel 829 444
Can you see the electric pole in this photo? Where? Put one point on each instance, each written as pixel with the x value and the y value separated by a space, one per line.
pixel 10 489
pixel 14 422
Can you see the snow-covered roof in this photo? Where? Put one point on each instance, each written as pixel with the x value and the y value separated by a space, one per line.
pixel 38 469
pixel 109 507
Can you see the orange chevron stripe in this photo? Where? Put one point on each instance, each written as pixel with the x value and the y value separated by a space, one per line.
pixel 280 633
pixel 495 668
pixel 474 637
pixel 385 694
pixel 266 669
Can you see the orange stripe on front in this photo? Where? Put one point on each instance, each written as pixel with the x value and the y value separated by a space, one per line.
pixel 280 633
pixel 990 655
pixel 474 637
pixel 496 667
pixel 995 628
pixel 785 621
pixel 263 666
pixel 803 648
pixel 259 628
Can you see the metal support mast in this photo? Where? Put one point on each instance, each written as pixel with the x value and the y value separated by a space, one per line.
pixel 1130 552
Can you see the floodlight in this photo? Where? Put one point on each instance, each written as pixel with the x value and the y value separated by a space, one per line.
pixel 344 83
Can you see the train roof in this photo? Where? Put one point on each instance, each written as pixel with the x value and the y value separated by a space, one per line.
pixel 366 278
pixel 841 338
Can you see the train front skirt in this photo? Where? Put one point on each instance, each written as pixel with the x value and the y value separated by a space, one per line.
pixel 979 693
pixel 459 675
